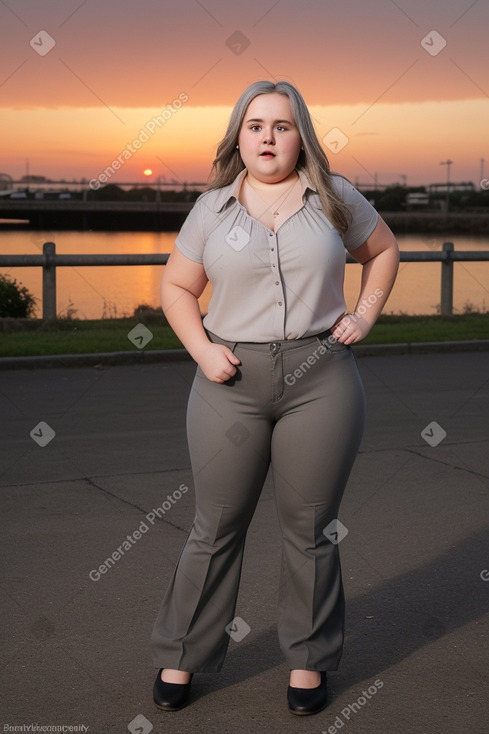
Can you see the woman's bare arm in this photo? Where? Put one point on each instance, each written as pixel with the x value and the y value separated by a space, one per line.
pixel 182 284
pixel 379 256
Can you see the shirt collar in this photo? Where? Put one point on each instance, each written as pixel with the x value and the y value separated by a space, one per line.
pixel 232 191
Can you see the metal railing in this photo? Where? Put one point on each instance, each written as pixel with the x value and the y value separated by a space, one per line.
pixel 50 261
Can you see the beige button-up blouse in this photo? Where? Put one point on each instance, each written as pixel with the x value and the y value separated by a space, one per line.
pixel 266 285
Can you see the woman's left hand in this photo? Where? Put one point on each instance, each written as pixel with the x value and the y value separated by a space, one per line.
pixel 351 328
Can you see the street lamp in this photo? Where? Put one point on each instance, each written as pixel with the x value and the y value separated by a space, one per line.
pixel 447 163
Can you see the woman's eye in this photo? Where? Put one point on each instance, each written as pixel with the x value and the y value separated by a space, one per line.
pixel 281 127
pixel 255 127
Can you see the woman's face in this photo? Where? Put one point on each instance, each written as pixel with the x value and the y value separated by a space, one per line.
pixel 269 141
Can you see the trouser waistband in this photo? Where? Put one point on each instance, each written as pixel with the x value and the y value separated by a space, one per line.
pixel 274 346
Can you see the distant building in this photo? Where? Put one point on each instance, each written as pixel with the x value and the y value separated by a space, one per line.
pixel 34 179
pixel 6 182
pixel 443 188
pixel 417 199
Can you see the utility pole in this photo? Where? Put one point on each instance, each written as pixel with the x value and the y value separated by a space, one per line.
pixel 447 163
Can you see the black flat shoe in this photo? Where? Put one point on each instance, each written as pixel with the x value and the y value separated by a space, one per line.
pixel 307 701
pixel 170 696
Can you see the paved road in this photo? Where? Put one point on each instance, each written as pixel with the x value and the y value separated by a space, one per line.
pixel 415 559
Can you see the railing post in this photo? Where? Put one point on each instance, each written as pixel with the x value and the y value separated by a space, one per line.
pixel 48 282
pixel 447 280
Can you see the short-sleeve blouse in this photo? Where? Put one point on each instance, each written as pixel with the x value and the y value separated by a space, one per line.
pixel 266 285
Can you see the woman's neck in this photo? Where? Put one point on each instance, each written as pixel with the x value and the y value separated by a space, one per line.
pixel 259 184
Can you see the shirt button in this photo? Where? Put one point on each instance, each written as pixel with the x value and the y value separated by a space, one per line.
pixel 280 303
pixel 277 282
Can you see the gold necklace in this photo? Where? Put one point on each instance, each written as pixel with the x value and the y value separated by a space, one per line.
pixel 276 212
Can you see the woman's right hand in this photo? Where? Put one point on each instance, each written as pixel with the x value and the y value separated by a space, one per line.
pixel 217 362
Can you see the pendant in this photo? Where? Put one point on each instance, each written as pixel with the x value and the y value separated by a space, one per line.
pixel 275 214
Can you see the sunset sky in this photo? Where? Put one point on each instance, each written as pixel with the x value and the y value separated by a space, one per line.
pixel 79 80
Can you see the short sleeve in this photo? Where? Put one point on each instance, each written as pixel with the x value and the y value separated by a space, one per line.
pixel 364 217
pixel 191 239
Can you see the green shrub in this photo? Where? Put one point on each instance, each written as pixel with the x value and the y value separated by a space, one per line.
pixel 15 299
pixel 150 315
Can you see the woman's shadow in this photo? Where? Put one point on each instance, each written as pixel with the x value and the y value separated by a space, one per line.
pixel 389 623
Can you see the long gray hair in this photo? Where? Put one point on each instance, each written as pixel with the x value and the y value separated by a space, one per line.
pixel 312 159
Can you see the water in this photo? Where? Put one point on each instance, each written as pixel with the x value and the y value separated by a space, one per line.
pixel 96 292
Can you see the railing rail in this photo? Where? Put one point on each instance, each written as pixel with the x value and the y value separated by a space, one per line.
pixel 50 261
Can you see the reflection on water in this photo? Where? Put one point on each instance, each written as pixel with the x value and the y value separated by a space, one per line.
pixel 94 292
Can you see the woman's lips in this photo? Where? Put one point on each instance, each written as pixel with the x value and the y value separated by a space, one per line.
pixel 267 154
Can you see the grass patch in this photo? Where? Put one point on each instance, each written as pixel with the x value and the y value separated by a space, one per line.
pixel 408 329
pixel 31 337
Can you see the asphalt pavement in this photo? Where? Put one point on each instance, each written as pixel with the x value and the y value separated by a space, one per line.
pixel 97 499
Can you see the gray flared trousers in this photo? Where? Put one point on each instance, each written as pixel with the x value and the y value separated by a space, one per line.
pixel 299 407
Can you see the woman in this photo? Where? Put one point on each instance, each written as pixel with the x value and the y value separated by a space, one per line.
pixel 276 385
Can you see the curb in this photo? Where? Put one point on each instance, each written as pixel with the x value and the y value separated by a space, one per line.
pixel 103 359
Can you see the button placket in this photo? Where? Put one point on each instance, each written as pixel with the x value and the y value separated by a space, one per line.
pixel 279 295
